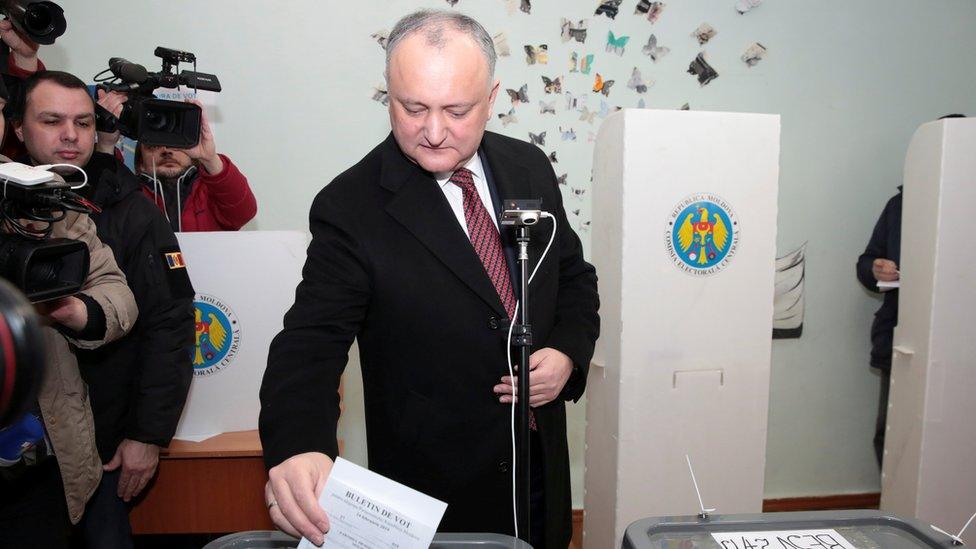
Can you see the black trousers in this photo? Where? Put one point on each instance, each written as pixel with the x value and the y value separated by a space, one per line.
pixel 33 511
pixel 881 425
pixel 537 494
pixel 106 519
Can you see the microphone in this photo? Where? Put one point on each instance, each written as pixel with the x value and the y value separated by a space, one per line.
pixel 127 71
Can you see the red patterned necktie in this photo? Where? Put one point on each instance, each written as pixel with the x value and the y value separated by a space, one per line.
pixel 488 245
pixel 485 239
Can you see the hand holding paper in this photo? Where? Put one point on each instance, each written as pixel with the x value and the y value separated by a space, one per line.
pixel 368 510
pixel 884 270
pixel 292 492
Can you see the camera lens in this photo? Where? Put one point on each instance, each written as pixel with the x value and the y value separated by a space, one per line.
pixel 43 274
pixel 160 121
pixel 38 20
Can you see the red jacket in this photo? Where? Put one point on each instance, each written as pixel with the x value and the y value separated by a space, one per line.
pixel 13 147
pixel 217 202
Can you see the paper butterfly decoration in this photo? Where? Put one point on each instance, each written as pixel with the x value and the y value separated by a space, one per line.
pixel 704 33
pixel 700 68
pixel 508 118
pixel 584 64
pixel 608 8
pixel 520 96
pixel 602 86
pixel 569 31
pixel 534 54
pixel 653 51
pixel 381 37
pixel 654 13
pixel 652 9
pixel 573 102
pixel 586 115
pixel 553 86
pixel 381 96
pixel 501 44
pixel 636 82
pixel 616 44
pixel 754 54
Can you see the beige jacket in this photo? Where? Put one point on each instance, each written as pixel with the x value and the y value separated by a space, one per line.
pixel 63 397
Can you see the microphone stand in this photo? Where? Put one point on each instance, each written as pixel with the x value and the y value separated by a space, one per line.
pixel 522 338
pixel 521 214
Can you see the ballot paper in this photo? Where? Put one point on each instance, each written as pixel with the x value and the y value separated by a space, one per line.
pixel 369 510
pixel 783 539
pixel 885 286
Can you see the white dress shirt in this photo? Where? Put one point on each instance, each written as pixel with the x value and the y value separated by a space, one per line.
pixel 455 196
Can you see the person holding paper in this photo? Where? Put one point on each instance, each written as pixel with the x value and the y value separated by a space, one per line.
pixel 406 257
pixel 879 263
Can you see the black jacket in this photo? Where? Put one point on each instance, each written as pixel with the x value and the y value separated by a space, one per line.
pixel 885 243
pixel 390 266
pixel 138 384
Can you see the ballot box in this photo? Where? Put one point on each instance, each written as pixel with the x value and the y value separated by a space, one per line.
pixel 278 540
pixel 861 529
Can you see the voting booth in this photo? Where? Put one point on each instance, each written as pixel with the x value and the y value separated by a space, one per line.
pixel 929 464
pixel 684 233
pixel 244 282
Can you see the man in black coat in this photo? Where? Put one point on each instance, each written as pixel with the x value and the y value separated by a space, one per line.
pixel 879 263
pixel 406 257
pixel 138 384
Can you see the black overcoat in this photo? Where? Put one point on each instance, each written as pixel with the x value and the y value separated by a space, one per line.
pixel 390 265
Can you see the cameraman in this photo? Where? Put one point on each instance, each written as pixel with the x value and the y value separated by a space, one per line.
pixel 138 384
pixel 44 488
pixel 21 63
pixel 197 188
pixel 23 51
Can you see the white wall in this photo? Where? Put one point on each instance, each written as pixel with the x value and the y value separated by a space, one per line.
pixel 852 80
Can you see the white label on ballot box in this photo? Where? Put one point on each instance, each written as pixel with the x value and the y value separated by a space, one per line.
pixel 783 539
pixel 368 510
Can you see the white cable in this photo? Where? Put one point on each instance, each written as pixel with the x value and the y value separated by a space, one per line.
pixel 967 525
pixel 511 375
pixel 956 538
pixel 701 504
pixel 47 167
pixel 179 204
pixel 511 371
pixel 157 184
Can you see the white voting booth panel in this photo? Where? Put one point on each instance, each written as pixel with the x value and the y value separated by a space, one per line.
pixel 930 447
pixel 682 363
pixel 245 281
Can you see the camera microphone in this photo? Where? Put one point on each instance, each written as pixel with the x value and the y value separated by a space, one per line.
pixel 127 71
